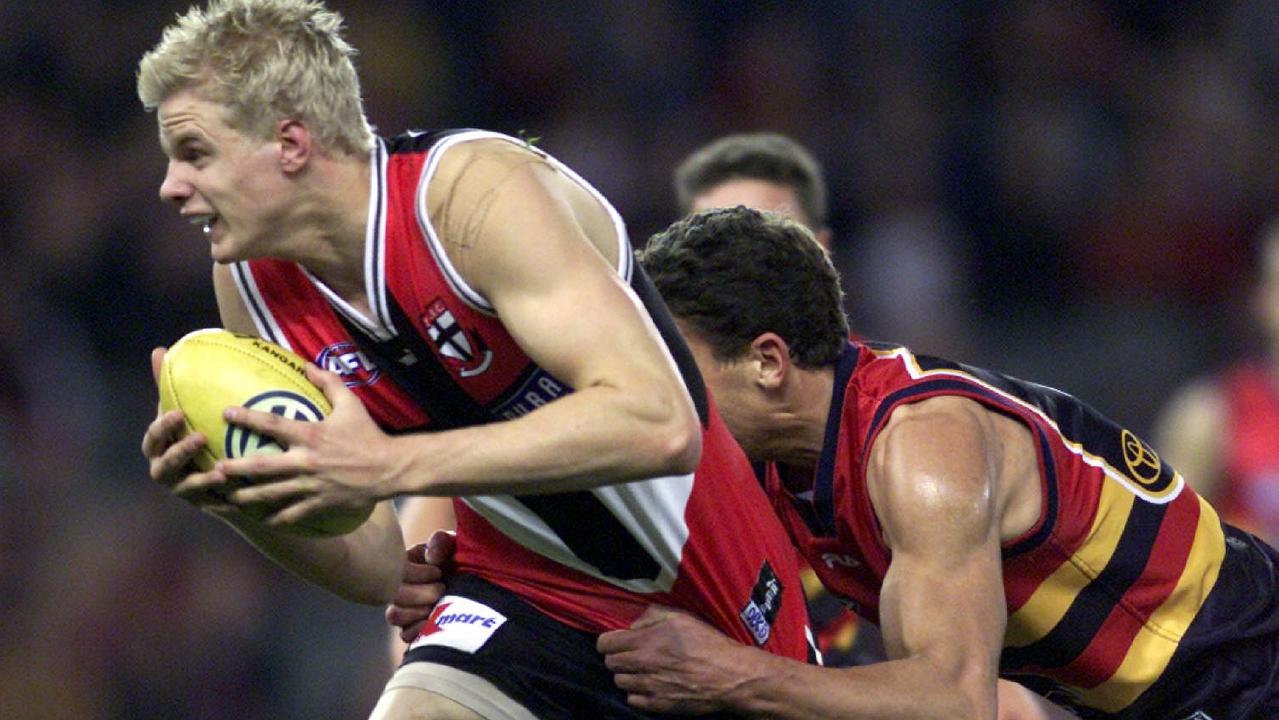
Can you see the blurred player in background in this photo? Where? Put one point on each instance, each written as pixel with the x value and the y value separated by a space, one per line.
pixel 993 527
pixel 490 338
pixel 1223 431
pixel 766 171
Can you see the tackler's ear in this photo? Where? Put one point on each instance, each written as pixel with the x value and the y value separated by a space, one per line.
pixel 295 142
pixel 771 356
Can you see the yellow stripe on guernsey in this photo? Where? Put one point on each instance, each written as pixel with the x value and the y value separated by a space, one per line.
pixel 1154 645
pixel 1158 497
pixel 1050 601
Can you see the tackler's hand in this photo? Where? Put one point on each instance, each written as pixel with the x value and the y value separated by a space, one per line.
pixel 427 567
pixel 669 661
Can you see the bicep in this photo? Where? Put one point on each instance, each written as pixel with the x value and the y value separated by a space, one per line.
pixel 933 480
pixel 515 229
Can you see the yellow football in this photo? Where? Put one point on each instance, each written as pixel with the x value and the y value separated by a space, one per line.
pixel 209 370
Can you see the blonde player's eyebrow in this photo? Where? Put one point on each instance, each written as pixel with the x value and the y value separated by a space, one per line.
pixel 183 138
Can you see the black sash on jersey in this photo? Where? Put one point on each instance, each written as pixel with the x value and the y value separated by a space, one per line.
pixel 578 517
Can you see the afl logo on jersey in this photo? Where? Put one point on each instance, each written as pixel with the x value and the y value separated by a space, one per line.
pixel 463 350
pixel 346 360
pixel 241 442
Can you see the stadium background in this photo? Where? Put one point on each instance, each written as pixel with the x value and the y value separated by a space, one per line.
pixel 1066 191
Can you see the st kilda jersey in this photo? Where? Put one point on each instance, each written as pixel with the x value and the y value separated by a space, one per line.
pixel 435 356
pixel 1121 595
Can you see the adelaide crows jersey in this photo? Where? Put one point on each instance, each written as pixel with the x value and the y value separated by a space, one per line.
pixel 1127 583
pixel 434 356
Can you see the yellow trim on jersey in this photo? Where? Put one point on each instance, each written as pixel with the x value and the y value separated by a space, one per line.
pixel 812 584
pixel 1160 497
pixel 1155 644
pixel 1050 601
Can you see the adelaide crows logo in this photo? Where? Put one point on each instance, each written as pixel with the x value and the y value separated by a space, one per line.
pixel 461 348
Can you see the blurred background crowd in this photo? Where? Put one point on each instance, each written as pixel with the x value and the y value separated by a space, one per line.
pixel 1067 191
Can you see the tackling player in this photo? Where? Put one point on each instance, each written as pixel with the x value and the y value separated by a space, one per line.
pixel 994 527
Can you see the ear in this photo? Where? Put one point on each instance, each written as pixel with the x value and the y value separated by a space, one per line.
pixel 295 145
pixel 771 356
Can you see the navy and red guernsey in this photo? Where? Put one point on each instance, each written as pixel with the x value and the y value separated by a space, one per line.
pixel 435 356
pixel 1122 594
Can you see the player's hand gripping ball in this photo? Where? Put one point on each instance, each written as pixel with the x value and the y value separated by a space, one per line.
pixel 209 370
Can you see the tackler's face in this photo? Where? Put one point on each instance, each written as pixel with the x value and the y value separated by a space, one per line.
pixel 734 393
pixel 227 184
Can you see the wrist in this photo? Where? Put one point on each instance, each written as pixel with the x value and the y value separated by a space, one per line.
pixel 752 695
pixel 404 474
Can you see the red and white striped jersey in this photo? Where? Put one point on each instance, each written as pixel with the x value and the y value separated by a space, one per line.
pixel 434 355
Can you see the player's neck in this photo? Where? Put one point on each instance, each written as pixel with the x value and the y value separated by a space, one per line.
pixel 335 218
pixel 799 420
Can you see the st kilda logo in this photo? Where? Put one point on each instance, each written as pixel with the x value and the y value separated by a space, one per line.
pixel 462 348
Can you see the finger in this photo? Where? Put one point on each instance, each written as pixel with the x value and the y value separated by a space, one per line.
pixel 413 592
pixel 418 597
pixel 653 615
pixel 616 641
pixel 401 616
pixel 285 431
pixel 195 485
pixel 163 431
pixel 298 511
pixel 410 632
pixel 420 574
pixel 621 662
pixel 415 555
pixel 330 383
pixel 440 547
pixel 176 462
pixel 157 361
pixel 270 493
pixel 648 703
pixel 265 467
pixel 630 682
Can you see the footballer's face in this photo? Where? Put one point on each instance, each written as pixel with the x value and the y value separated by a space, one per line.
pixel 226 183
pixel 735 393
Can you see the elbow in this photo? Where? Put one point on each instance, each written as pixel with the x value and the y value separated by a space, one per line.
pixel 681 446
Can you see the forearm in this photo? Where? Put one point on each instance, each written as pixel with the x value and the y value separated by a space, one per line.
pixel 593 437
pixel 909 689
pixel 363 566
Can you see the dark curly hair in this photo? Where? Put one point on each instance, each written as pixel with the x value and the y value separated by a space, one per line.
pixel 735 273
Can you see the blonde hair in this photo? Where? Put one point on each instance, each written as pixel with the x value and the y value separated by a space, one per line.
pixel 264 60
